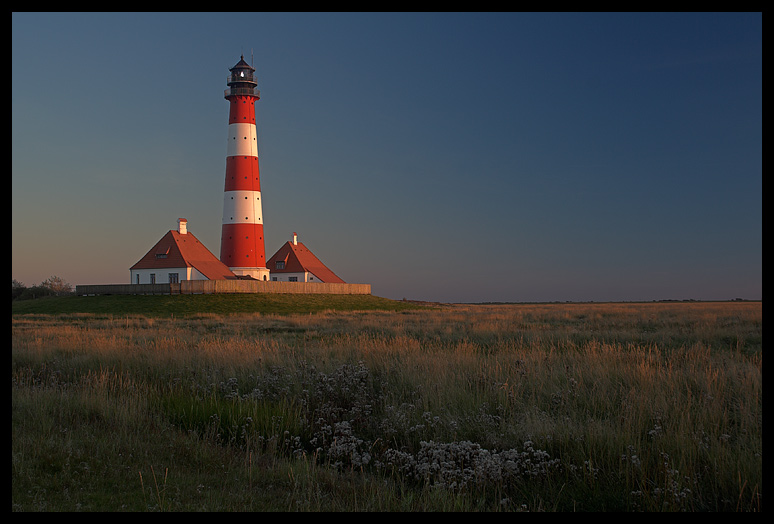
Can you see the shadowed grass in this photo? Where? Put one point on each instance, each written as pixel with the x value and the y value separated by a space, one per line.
pixel 220 304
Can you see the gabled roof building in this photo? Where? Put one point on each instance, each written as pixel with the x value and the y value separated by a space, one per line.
pixel 294 262
pixel 178 256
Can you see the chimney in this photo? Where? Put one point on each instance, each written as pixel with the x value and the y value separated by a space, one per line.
pixel 295 239
pixel 182 226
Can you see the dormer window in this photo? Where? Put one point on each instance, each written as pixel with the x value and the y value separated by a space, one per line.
pixel 280 264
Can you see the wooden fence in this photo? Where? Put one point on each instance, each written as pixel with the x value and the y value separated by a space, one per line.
pixel 191 287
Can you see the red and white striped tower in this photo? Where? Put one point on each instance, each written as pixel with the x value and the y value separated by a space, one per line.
pixel 241 241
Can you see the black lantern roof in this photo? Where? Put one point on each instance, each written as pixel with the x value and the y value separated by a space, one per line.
pixel 242 64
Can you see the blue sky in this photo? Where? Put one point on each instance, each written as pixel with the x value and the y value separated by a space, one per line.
pixel 460 157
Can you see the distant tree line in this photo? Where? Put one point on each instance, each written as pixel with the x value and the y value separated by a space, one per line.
pixel 52 286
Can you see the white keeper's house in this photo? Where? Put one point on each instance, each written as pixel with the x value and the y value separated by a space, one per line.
pixel 294 262
pixel 178 256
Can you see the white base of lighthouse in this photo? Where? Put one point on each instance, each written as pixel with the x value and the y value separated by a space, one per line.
pixel 258 273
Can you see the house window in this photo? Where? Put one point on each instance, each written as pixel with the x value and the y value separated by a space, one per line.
pixel 161 255
pixel 173 278
pixel 273 279
pixel 292 279
pixel 280 264
pixel 153 278
pixel 138 278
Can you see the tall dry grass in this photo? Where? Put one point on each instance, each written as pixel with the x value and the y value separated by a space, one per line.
pixel 543 407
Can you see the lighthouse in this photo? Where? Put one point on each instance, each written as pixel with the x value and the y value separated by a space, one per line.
pixel 241 240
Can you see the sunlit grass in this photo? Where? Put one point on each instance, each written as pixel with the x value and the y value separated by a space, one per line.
pixel 650 407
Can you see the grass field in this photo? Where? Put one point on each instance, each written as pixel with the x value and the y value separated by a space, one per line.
pixel 387 407
pixel 223 304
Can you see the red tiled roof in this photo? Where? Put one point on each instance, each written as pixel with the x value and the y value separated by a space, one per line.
pixel 298 259
pixel 184 251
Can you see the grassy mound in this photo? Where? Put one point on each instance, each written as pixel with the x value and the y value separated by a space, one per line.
pixel 223 304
